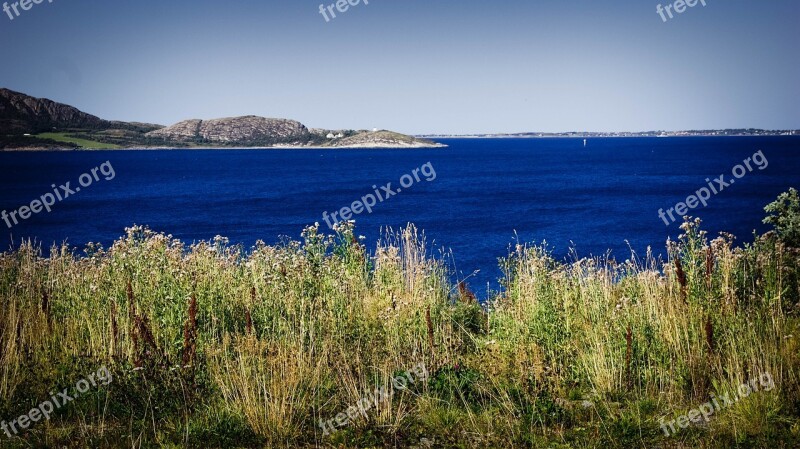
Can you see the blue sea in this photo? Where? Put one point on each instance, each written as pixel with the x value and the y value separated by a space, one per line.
pixel 487 193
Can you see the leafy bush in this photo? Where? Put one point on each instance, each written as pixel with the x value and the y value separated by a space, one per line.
pixel 785 217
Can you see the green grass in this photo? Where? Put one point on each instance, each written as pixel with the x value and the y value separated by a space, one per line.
pixel 214 346
pixel 83 143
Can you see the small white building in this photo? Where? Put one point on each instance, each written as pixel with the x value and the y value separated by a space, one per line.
pixel 330 136
pixel 339 136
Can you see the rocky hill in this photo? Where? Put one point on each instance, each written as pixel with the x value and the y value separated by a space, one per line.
pixel 38 123
pixel 382 139
pixel 249 129
pixel 20 113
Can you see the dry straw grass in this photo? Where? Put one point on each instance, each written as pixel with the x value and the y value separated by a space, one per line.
pixel 276 338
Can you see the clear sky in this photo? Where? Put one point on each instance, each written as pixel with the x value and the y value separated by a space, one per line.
pixel 415 66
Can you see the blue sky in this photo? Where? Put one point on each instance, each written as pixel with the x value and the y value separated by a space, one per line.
pixel 416 66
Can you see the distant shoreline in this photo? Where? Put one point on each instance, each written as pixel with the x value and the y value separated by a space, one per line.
pixel 399 147
pixel 595 136
pixel 349 147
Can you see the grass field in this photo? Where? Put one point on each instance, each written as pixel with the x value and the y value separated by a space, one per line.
pixel 83 143
pixel 214 346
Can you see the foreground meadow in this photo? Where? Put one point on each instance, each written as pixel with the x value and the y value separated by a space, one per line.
pixel 302 345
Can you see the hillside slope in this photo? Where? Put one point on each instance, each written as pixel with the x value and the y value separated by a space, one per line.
pixel 38 123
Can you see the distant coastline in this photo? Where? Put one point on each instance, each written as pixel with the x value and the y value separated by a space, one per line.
pixel 33 124
pixel 749 132
pixel 233 148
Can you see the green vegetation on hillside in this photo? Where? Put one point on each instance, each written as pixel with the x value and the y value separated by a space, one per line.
pixel 24 142
pixel 212 346
pixel 82 143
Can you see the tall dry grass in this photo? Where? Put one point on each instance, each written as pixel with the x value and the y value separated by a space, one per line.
pixel 212 344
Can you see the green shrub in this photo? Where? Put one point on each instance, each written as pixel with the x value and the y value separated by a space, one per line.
pixel 785 217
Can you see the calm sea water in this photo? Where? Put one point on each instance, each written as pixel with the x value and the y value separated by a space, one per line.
pixel 487 193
